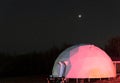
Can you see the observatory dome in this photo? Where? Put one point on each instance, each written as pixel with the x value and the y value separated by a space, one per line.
pixel 83 61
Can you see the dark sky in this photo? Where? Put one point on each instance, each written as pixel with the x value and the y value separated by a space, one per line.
pixel 29 25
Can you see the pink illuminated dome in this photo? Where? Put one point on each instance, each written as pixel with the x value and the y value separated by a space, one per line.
pixel 84 61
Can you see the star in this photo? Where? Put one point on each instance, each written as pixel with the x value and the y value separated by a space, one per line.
pixel 79 16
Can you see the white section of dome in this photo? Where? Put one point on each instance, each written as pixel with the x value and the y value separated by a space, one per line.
pixel 84 61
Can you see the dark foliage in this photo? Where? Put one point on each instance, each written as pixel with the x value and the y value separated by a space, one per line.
pixel 35 63
pixel 113 47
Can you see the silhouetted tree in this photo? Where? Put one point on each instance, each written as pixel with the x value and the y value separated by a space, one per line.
pixel 113 47
pixel 33 63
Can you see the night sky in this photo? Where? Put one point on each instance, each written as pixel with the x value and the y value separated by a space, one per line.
pixel 37 25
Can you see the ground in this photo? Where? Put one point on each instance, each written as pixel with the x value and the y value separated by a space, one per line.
pixel 39 79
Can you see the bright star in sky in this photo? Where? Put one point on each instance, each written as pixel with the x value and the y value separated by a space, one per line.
pixel 79 16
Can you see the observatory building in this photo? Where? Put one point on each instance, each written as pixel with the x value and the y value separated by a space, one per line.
pixel 83 61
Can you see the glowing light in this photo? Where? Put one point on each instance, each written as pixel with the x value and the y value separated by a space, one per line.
pixel 79 16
